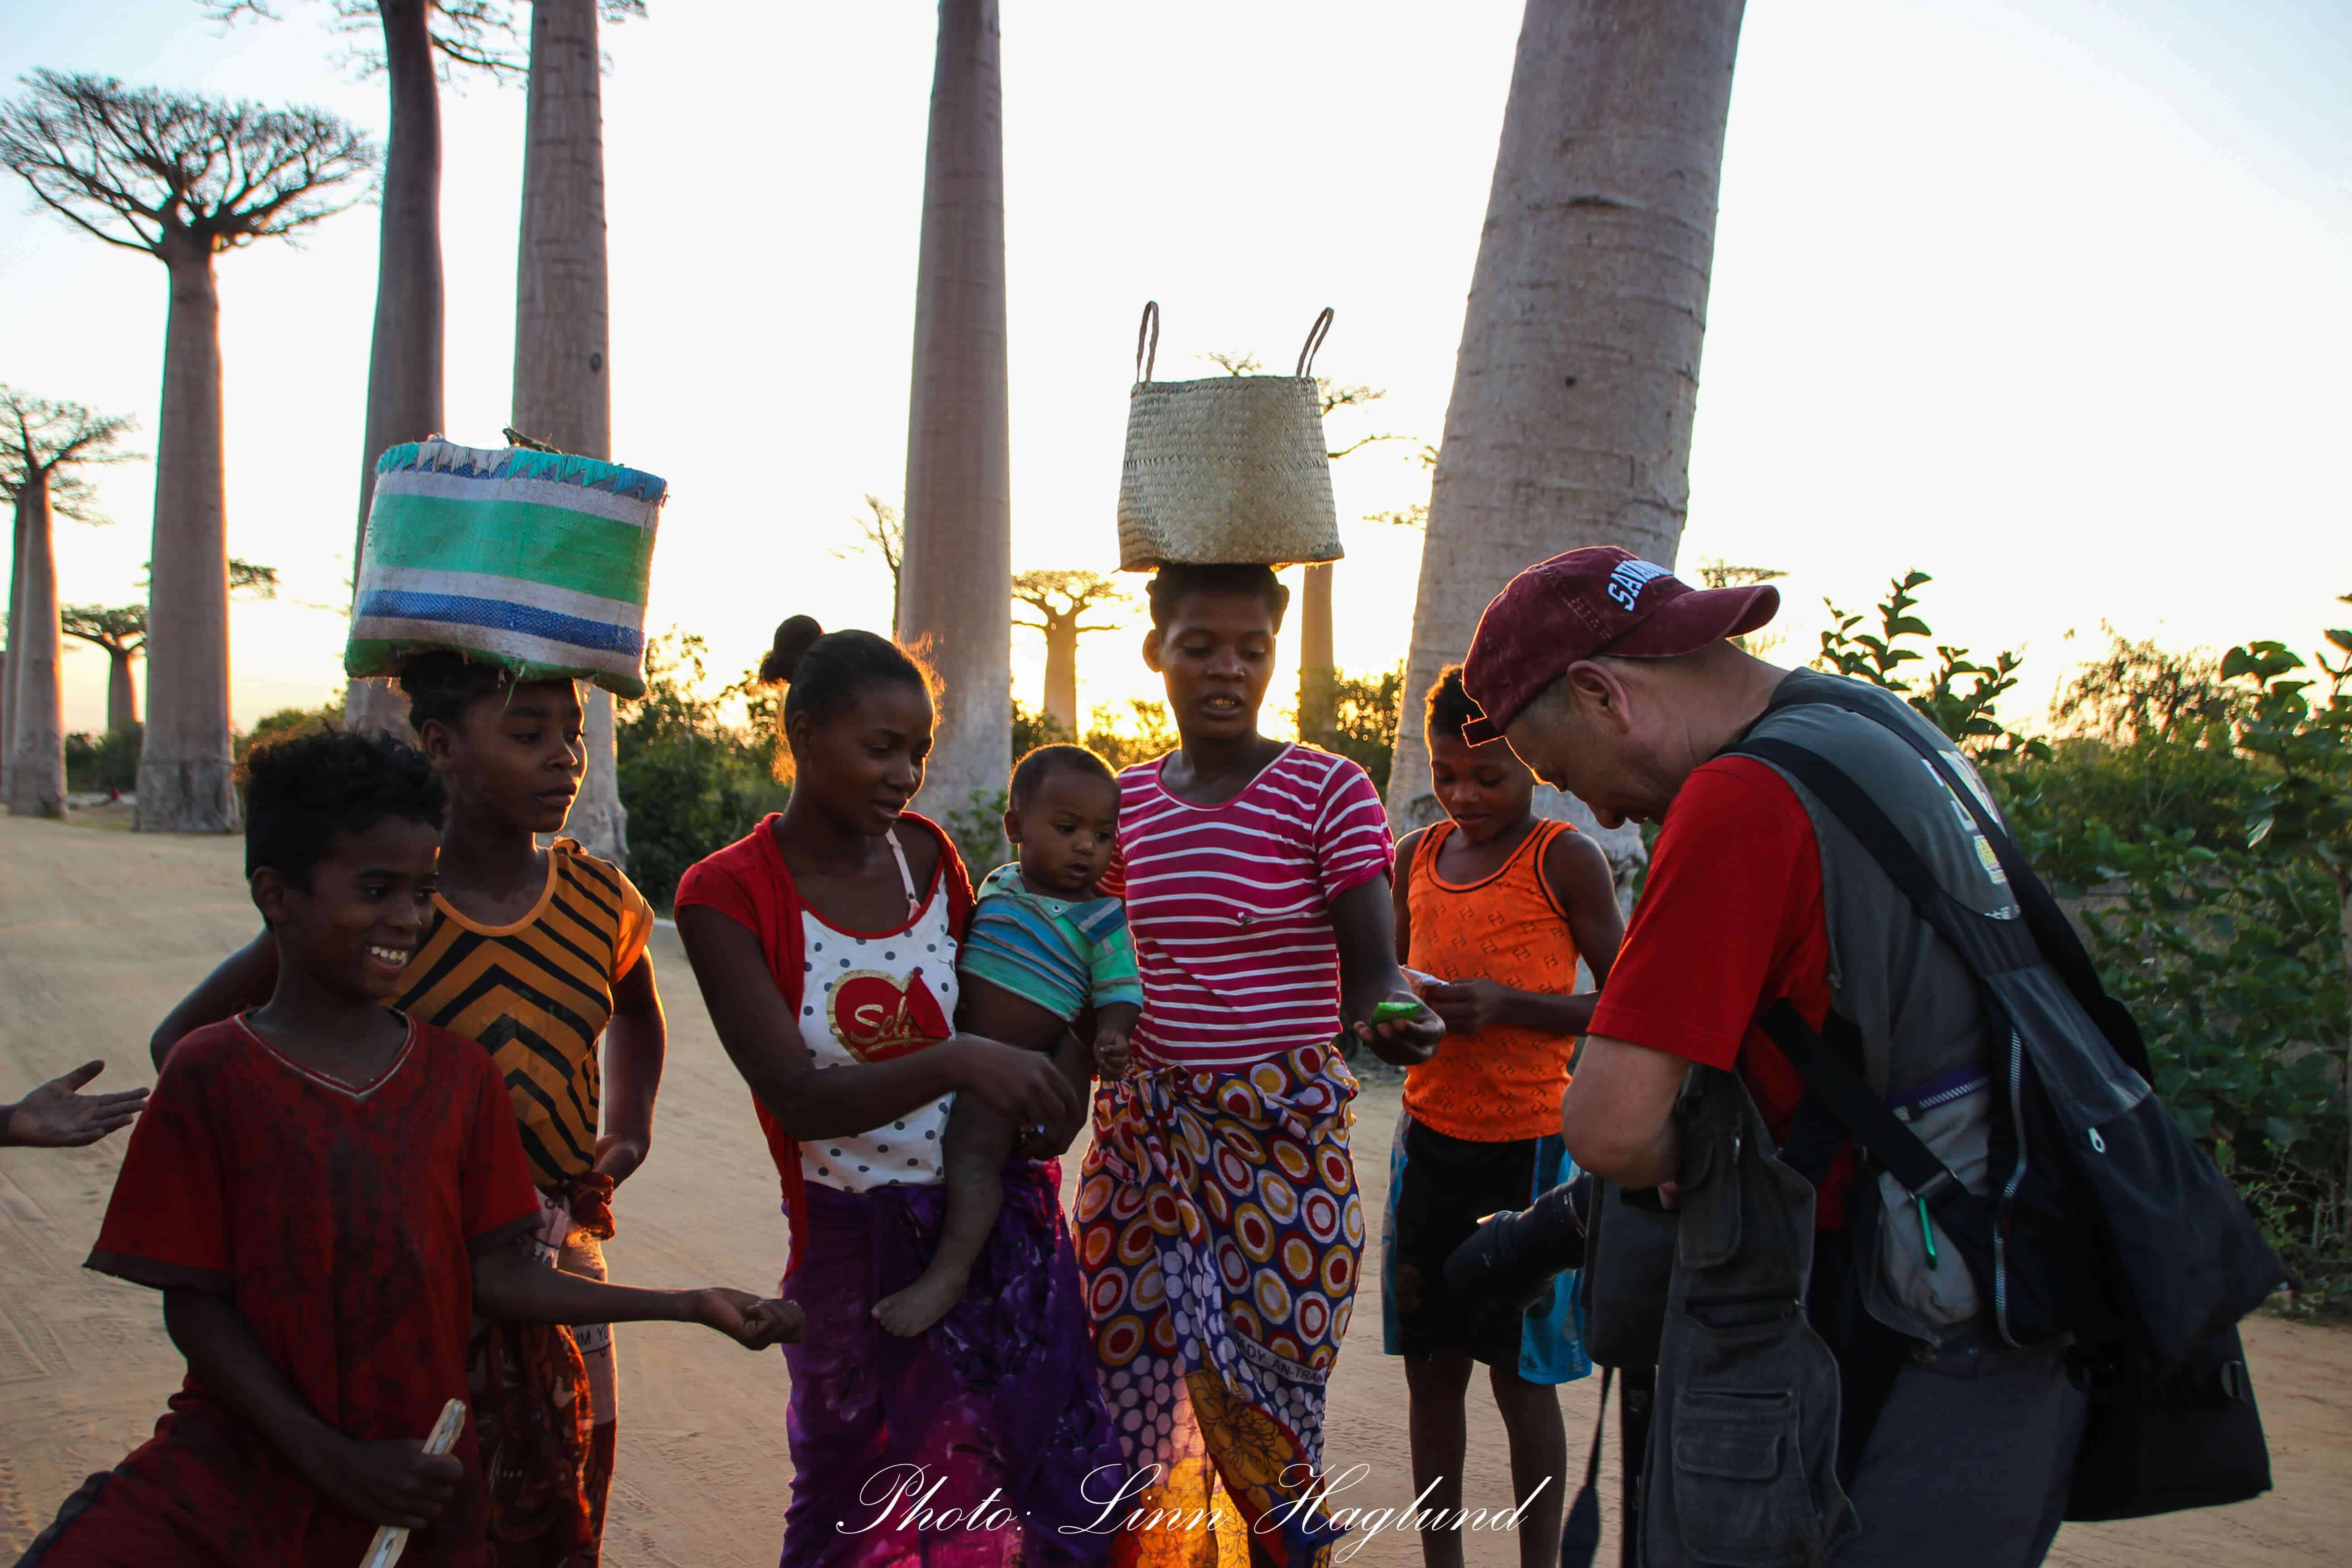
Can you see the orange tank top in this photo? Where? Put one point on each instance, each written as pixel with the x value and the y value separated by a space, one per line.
pixel 1504 1082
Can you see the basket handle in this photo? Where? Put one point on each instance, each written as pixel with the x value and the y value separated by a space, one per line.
pixel 1147 340
pixel 1315 336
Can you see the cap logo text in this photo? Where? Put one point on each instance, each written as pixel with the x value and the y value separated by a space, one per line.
pixel 1626 583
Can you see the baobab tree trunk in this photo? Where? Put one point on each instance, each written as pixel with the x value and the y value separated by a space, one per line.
pixel 1062 671
pixel 121 696
pixel 562 388
pixel 1575 387
pixel 404 398
pixel 1318 666
pixel 955 592
pixel 37 757
pixel 184 766
pixel 8 652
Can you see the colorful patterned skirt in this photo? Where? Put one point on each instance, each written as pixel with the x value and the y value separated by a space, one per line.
pixel 976 1446
pixel 1221 1235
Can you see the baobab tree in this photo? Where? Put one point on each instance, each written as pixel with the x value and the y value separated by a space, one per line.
pixel 121 631
pixel 182 177
pixel 44 447
pixel 1060 597
pixel 881 532
pixel 955 600
pixel 1577 376
pixel 563 375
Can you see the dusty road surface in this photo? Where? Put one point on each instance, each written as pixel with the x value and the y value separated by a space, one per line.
pixel 100 931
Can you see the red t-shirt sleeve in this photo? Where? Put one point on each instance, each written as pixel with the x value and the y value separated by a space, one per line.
pixel 1352 832
pixel 717 882
pixel 496 1199
pixel 166 1223
pixel 1732 882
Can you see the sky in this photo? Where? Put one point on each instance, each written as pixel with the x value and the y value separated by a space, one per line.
pixel 2045 297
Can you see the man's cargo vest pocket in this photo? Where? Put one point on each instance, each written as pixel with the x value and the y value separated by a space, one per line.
pixel 1740 1488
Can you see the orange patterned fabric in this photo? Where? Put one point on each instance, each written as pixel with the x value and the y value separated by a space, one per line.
pixel 1504 1082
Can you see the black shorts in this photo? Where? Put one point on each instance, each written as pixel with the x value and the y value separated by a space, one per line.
pixel 1447 1187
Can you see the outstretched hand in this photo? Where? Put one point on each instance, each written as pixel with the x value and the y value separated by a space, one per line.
pixel 55 1116
pixel 749 1322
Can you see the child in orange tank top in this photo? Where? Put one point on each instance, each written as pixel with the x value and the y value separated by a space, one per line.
pixel 1499 905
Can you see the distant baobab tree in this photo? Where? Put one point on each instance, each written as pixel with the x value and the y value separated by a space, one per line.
pixel 1060 597
pixel 121 631
pixel 955 582
pixel 881 531
pixel 43 447
pixel 183 177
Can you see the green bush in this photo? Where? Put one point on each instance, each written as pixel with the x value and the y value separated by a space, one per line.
pixel 102 761
pixel 2225 937
pixel 692 781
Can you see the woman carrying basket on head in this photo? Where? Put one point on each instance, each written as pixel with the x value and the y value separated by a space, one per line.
pixel 825 945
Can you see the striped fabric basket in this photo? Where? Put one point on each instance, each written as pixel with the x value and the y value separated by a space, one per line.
pixel 538 561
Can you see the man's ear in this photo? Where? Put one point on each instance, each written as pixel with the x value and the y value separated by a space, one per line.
pixel 1597 693
pixel 272 895
pixel 1153 643
pixel 1012 827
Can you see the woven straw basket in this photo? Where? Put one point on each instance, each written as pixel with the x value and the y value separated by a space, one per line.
pixel 1228 469
pixel 535 560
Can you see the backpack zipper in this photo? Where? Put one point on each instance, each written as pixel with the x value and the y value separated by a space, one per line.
pixel 2009 1191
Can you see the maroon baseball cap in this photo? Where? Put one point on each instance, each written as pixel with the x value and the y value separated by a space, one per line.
pixel 1597 601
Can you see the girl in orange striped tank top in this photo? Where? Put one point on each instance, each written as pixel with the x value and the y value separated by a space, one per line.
pixel 1500 905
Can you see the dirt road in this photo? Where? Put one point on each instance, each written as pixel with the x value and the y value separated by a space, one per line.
pixel 100 931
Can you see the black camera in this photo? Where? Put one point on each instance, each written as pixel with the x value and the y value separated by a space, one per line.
pixel 1513 1255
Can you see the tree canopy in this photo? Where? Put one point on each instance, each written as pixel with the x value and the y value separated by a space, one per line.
pixel 148 169
pixel 42 438
pixel 476 35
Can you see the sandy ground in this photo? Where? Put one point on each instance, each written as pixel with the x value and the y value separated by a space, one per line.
pixel 99 932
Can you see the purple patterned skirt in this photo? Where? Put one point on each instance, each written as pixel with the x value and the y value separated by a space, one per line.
pixel 976 1446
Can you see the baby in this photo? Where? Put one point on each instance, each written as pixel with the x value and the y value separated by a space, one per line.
pixel 1046 964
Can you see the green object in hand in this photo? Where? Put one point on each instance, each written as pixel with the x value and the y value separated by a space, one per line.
pixel 1388 1012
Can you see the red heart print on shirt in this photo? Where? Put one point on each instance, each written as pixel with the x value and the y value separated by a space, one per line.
pixel 881 1019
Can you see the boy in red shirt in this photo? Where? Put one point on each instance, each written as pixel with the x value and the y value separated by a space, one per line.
pixel 323 1191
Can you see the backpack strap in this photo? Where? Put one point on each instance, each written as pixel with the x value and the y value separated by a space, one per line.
pixel 1845 1096
pixel 2053 933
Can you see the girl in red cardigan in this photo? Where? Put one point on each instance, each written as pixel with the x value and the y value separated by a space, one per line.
pixel 825 944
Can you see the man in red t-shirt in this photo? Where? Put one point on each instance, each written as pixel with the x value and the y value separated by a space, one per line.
pixel 1618 683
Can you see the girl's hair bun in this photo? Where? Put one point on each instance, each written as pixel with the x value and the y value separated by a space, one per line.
pixel 794 639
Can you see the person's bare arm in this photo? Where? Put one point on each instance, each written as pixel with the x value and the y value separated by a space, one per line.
pixel 1113 1032
pixel 763 1038
pixel 1617 1118
pixel 635 1041
pixel 1577 872
pixel 996 1014
pixel 512 1285
pixel 242 980
pixel 1363 924
pixel 388 1482
pixel 1401 890
pixel 56 1115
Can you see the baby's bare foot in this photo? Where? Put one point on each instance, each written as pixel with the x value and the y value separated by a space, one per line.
pixel 912 1311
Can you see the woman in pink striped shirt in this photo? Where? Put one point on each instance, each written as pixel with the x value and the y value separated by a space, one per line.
pixel 1220 1230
